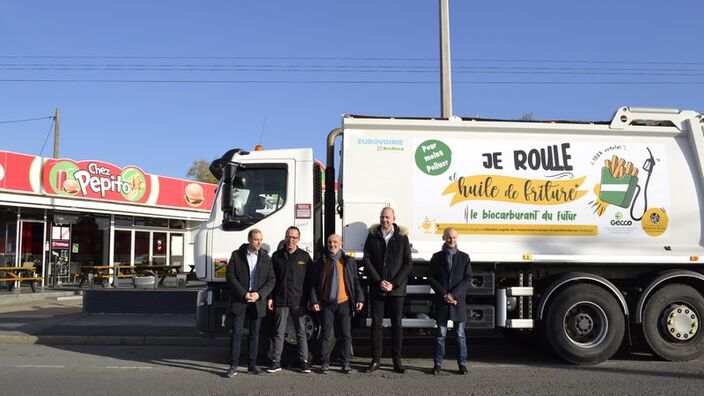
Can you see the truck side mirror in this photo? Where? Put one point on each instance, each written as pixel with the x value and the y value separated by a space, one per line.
pixel 226 202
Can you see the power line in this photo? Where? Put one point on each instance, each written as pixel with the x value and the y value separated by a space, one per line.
pixel 359 69
pixel 146 81
pixel 25 120
pixel 46 139
pixel 394 59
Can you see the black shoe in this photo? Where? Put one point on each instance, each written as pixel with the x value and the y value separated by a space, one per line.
pixel 324 369
pixel 346 369
pixel 398 367
pixel 436 370
pixel 305 367
pixel 373 367
pixel 274 367
pixel 462 369
pixel 231 372
pixel 254 370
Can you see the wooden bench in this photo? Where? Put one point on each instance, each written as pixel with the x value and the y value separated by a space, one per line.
pixel 160 270
pixel 24 273
pixel 95 272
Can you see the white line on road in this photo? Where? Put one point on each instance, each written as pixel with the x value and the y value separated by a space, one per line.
pixel 37 366
pixel 128 367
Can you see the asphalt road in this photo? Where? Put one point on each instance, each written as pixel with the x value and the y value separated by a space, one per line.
pixel 494 369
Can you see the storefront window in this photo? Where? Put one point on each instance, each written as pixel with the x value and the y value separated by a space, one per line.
pixel 124 221
pixel 32 214
pixel 90 238
pixel 176 251
pixel 123 247
pixel 151 222
pixel 141 248
pixel 177 224
pixel 8 235
pixel 159 248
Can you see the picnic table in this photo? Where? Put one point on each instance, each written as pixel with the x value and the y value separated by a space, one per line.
pixel 97 272
pixel 24 273
pixel 159 270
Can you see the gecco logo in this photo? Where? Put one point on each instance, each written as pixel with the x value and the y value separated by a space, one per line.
pixel 618 220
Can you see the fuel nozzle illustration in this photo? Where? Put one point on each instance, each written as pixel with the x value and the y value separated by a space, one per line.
pixel 619 183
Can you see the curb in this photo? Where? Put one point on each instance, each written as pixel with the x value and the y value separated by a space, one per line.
pixel 19 298
pixel 112 340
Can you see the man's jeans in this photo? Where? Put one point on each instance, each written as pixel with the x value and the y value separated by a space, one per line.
pixel 440 343
pixel 281 315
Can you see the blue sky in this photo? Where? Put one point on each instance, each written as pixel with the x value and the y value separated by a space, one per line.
pixel 159 84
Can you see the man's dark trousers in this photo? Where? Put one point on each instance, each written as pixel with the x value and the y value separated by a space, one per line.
pixel 396 306
pixel 254 322
pixel 339 317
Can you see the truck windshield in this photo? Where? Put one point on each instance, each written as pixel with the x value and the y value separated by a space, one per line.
pixel 257 192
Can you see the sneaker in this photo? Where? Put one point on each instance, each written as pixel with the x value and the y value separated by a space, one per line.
pixel 305 367
pixel 254 370
pixel 436 370
pixel 231 372
pixel 462 369
pixel 324 369
pixel 346 369
pixel 275 366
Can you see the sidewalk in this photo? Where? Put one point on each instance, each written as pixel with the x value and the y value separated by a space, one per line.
pixel 56 317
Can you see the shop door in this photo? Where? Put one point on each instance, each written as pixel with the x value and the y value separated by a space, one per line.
pixel 60 257
pixel 32 242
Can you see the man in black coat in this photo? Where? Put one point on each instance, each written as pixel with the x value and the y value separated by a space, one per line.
pixel 250 278
pixel 387 263
pixel 449 274
pixel 337 294
pixel 291 266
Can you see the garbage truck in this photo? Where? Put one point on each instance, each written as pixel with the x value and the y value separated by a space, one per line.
pixel 587 234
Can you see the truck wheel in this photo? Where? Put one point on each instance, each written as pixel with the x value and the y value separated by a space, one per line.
pixel 312 327
pixel 585 324
pixel 671 322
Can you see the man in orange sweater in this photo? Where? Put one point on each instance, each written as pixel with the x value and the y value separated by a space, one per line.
pixel 337 294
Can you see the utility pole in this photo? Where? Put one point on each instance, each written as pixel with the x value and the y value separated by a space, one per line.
pixel 445 72
pixel 56 133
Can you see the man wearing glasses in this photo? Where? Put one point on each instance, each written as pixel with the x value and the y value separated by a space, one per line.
pixel 291 266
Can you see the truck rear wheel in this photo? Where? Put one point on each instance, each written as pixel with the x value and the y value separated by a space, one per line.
pixel 312 327
pixel 585 324
pixel 671 322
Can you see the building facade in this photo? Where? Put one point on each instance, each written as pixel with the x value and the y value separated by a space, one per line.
pixel 61 214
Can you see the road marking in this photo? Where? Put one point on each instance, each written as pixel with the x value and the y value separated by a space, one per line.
pixel 128 367
pixel 38 366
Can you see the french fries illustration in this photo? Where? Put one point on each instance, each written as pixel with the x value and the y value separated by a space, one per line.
pixel 618 167
pixel 619 179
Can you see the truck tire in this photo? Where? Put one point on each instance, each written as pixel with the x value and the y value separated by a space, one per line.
pixel 671 321
pixel 584 324
pixel 312 332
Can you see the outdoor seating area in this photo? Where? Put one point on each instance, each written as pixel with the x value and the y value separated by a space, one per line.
pixel 25 273
pixel 125 275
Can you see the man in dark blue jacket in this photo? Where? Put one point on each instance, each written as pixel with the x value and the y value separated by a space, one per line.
pixel 450 274
pixel 337 294
pixel 250 278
